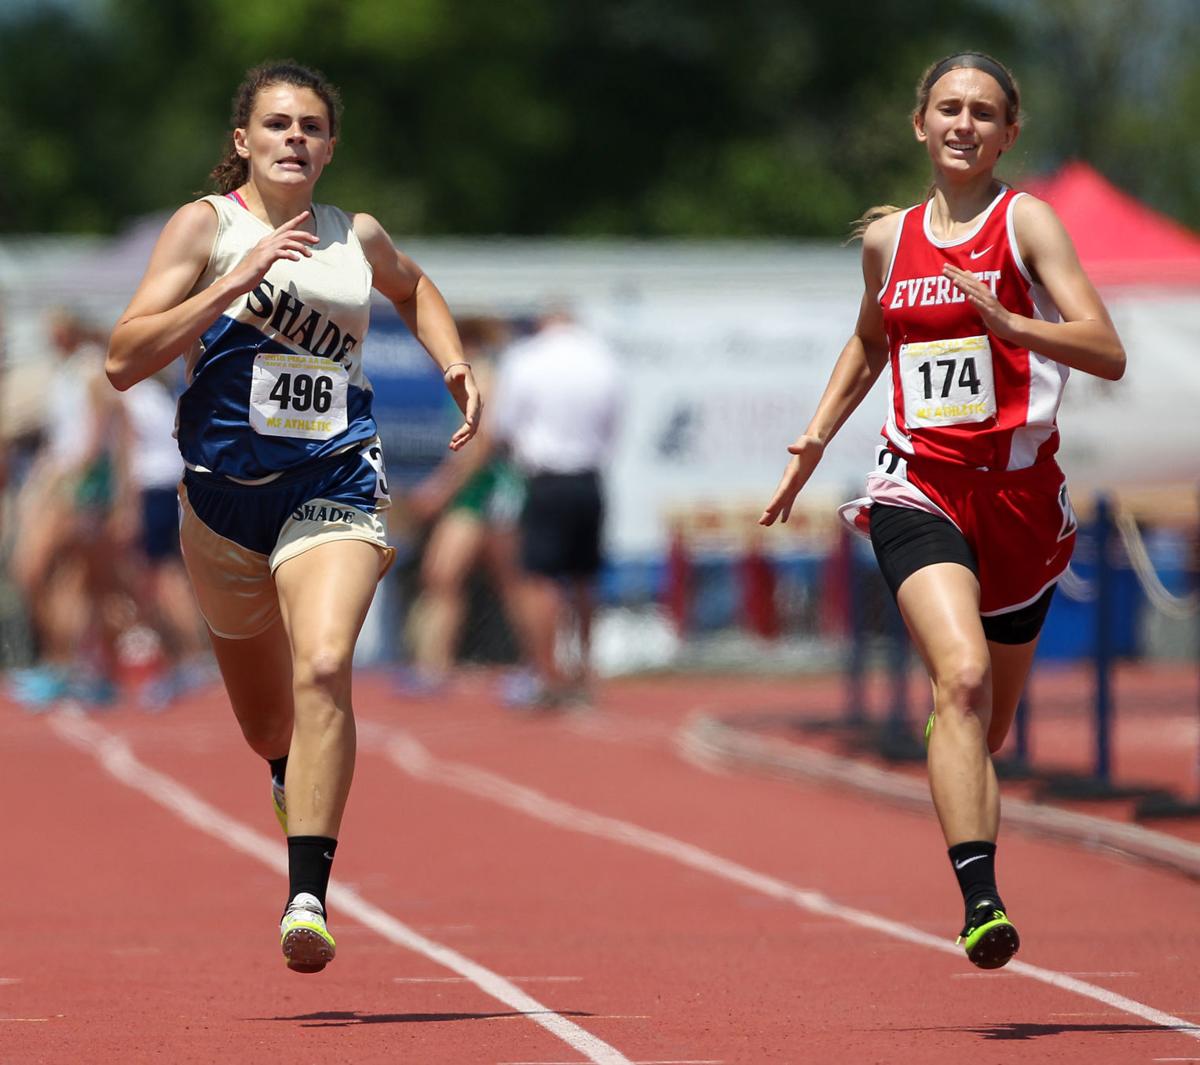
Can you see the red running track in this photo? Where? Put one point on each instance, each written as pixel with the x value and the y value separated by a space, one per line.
pixel 538 891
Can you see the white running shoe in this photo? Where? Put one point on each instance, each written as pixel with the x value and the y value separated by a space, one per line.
pixel 307 944
pixel 279 801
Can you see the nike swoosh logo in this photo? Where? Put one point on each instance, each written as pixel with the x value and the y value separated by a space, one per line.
pixel 977 254
pixel 326 854
pixel 967 861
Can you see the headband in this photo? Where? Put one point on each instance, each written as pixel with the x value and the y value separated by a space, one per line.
pixel 974 61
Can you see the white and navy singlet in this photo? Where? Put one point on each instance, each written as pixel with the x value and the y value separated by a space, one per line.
pixel 276 381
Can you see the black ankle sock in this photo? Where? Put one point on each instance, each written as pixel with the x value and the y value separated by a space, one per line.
pixel 310 859
pixel 278 768
pixel 975 866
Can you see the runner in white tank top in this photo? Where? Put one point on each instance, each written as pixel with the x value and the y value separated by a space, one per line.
pixel 267 295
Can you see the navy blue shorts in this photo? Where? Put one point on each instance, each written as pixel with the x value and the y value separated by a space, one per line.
pixel 253 515
pixel 234 537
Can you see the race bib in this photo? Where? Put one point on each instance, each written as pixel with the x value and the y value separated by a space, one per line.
pixel 298 395
pixel 947 382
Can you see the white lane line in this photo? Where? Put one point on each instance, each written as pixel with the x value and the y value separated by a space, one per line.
pixel 1119 973
pixel 464 980
pixel 610 729
pixel 993 975
pixel 115 755
pixel 416 760
pixel 591 1017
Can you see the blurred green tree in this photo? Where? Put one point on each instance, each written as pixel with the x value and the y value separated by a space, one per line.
pixel 624 117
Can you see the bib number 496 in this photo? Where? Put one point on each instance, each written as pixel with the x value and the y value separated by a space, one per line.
pixel 294 395
pixel 303 393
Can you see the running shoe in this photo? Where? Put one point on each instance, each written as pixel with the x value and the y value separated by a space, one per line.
pixel 306 942
pixel 988 936
pixel 279 801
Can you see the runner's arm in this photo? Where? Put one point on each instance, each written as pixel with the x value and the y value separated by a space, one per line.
pixel 1085 339
pixel 856 370
pixel 162 321
pixel 425 312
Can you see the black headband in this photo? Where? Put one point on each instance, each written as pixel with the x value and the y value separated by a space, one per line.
pixel 975 61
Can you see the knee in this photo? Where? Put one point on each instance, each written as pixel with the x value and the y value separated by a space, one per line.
pixel 324 670
pixel 963 682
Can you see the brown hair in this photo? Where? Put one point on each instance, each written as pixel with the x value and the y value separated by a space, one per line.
pixel 233 170
pixel 974 61
pixel 932 74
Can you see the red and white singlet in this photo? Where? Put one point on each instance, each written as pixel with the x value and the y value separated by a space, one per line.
pixel 958 393
pixel 971 429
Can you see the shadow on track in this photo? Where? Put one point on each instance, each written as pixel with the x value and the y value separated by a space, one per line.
pixel 1019 1030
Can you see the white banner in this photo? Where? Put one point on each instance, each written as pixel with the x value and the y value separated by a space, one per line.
pixel 717 390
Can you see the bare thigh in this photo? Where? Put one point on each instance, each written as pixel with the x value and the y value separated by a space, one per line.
pixel 324 595
pixel 940 605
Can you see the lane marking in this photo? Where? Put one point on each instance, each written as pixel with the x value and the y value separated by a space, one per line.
pixel 417 761
pixel 118 759
pixel 591 1017
pixel 464 980
pixel 995 975
pixel 650 735
pixel 1073 973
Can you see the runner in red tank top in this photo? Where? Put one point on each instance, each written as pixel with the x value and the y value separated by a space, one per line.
pixel 977 307
pixel 987 401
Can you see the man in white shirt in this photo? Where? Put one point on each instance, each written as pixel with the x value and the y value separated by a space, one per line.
pixel 556 405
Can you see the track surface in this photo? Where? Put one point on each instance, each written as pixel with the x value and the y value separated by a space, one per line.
pixel 552 890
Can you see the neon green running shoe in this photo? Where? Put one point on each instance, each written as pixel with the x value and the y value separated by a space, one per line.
pixel 929 726
pixel 989 937
pixel 279 801
pixel 306 942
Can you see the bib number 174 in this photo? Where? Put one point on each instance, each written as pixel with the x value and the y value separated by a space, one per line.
pixel 947 382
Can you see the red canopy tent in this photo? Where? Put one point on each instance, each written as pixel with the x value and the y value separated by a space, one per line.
pixel 1120 241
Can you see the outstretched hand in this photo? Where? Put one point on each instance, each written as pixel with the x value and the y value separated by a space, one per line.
pixel 465 391
pixel 806 453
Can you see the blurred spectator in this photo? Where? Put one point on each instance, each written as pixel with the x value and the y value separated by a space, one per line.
pixel 151 526
pixel 473 499
pixel 22 414
pixel 63 553
pixel 556 405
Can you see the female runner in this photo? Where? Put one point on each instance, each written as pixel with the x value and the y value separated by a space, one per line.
pixel 977 307
pixel 266 295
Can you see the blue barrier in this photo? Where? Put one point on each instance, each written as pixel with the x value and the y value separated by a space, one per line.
pixel 1103 657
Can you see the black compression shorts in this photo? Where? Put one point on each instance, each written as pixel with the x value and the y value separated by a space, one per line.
pixel 906 540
